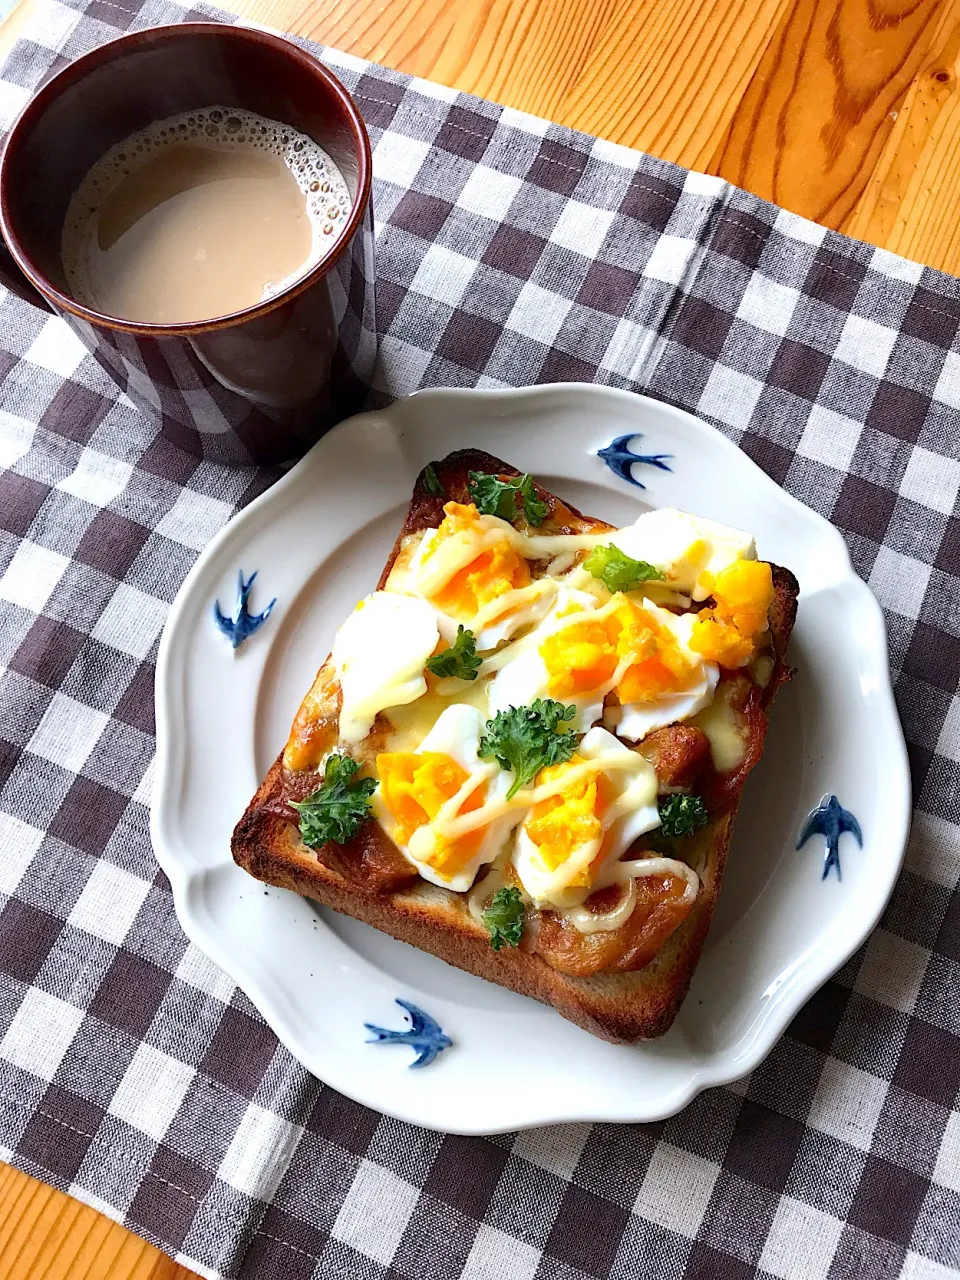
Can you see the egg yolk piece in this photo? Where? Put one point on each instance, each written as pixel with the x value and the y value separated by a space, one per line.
pixel 494 571
pixel 587 653
pixel 658 664
pixel 728 632
pixel 569 820
pixel 580 657
pixel 415 786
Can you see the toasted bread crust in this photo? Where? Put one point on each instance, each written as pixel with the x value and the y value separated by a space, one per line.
pixel 621 1007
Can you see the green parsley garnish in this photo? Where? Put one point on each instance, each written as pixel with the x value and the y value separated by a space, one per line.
pixel 656 842
pixel 528 739
pixel 431 482
pixel 340 806
pixel 504 918
pixel 682 815
pixel 495 497
pixel 460 660
pixel 618 571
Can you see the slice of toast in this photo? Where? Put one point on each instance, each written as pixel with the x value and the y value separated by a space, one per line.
pixel 617 1006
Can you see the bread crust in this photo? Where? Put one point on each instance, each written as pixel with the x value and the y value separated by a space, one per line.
pixel 620 1007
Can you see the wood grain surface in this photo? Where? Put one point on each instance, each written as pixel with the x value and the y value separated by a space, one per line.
pixel 845 111
pixel 45 1235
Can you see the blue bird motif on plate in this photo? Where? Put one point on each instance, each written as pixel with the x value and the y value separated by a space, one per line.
pixel 243 623
pixel 423 1034
pixel 620 459
pixel 830 820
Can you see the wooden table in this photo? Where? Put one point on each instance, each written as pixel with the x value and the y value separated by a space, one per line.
pixel 845 111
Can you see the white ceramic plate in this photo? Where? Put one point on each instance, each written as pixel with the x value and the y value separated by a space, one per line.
pixel 318 540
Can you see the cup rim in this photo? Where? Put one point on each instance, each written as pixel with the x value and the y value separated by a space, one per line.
pixel 76 70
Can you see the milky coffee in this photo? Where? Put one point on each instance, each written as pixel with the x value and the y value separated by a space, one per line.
pixel 200 215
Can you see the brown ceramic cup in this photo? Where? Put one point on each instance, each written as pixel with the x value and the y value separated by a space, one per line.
pixel 259 385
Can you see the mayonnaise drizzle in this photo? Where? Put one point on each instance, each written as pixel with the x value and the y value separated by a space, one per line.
pixel 627 874
pixel 497 661
pixel 512 600
pixel 433 567
pixel 451 824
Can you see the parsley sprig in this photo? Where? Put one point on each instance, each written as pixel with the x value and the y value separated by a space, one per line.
pixel 682 815
pixel 528 739
pixel 504 918
pixel 495 497
pixel 432 482
pixel 460 660
pixel 339 807
pixel 618 571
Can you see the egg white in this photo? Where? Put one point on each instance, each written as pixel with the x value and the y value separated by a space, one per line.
pixel 379 655
pixel 684 547
pixel 632 812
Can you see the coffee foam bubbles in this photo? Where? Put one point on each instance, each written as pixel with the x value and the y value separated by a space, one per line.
pixel 327 197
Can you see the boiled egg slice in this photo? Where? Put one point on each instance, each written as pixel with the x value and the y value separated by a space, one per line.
pixel 635 716
pixel 586 813
pixel 422 794
pixel 685 548
pixel 379 655
pixel 472 574
pixel 586 651
pixel 567 633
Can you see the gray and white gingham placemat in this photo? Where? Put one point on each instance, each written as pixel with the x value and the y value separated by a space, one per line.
pixel 136 1076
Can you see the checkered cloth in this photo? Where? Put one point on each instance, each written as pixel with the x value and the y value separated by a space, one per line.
pixel 136 1076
